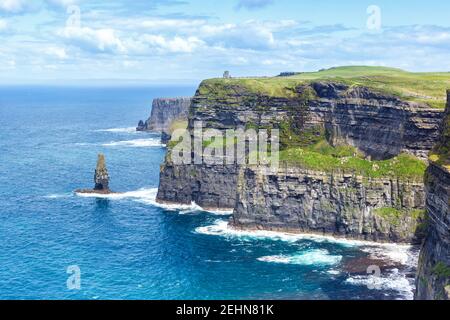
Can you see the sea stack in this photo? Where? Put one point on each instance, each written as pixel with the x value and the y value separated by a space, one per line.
pixel 101 178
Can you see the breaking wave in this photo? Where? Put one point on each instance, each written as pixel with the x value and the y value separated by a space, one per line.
pixel 401 254
pixel 136 143
pixel 140 194
pixel 393 281
pixel 221 228
pixel 119 130
pixel 308 258
pixel 401 281
pixel 148 196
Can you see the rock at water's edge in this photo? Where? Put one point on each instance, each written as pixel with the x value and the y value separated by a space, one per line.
pixel 101 179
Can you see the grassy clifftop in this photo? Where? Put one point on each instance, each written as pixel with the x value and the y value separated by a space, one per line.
pixel 426 88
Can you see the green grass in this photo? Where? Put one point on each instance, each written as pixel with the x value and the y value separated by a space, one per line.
pixel 323 157
pixel 394 216
pixel 180 124
pixel 441 270
pixel 429 88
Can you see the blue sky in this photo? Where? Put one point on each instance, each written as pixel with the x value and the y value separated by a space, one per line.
pixel 177 40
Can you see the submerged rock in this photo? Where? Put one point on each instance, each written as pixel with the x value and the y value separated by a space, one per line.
pixel 101 178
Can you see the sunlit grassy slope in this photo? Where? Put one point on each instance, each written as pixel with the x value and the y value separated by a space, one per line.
pixel 323 157
pixel 429 88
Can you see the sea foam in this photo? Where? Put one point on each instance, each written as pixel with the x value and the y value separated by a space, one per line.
pixel 148 196
pixel 131 130
pixel 392 281
pixel 307 258
pixel 136 143
pixel 57 196
pixel 221 228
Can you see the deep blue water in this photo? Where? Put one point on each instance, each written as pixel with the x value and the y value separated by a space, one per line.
pixel 127 247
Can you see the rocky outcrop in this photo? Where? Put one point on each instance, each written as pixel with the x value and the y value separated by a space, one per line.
pixel 101 178
pixel 343 205
pixel 164 112
pixel 433 279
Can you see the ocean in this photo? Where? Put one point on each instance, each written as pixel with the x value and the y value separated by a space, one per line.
pixel 129 247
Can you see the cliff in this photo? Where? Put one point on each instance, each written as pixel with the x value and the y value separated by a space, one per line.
pixel 343 205
pixel 433 279
pixel 165 112
pixel 352 154
pixel 378 124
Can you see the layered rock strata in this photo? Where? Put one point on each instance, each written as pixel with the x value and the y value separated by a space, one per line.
pixel 164 112
pixel 380 125
pixel 343 205
pixel 433 279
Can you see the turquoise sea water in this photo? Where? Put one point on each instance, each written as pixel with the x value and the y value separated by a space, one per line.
pixel 127 247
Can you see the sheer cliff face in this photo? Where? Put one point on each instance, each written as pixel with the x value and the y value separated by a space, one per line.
pixel 164 112
pixel 433 280
pixel 379 125
pixel 343 205
pixel 211 187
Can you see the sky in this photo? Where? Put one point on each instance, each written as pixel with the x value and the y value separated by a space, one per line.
pixel 189 40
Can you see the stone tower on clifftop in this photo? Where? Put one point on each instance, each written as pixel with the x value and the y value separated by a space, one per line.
pixel 101 177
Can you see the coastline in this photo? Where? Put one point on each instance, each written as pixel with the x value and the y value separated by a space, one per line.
pixel 336 237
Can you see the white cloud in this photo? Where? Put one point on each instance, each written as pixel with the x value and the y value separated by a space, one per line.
pixel 94 40
pixel 12 6
pixel 56 52
pixel 25 6
pixel 171 23
pixel 249 35
pixel 62 3
pixel 3 25
pixel 173 45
